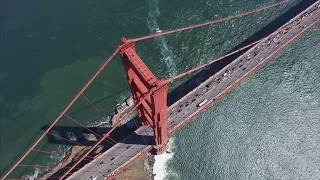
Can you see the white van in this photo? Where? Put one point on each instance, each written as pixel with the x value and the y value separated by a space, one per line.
pixel 202 103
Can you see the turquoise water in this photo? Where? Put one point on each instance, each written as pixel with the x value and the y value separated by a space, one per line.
pixel 267 128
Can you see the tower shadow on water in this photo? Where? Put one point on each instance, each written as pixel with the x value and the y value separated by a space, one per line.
pixel 204 74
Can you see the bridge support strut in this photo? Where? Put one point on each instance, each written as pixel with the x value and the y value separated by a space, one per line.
pixel 153 111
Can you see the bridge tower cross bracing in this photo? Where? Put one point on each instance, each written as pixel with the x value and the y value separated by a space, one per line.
pixel 153 110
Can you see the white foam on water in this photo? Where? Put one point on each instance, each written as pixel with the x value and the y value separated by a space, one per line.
pixel 166 53
pixel 105 119
pixel 54 159
pixel 62 149
pixel 160 164
pixel 34 175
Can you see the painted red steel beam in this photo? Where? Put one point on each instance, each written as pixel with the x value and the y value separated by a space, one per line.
pixel 207 23
pixel 106 135
pixel 66 139
pixel 52 153
pixel 63 112
pixel 70 118
pixel 141 79
pixel 109 59
pixel 236 84
pixel 131 60
pixel 46 152
pixel 224 93
pixel 90 102
pixel 273 55
pixel 169 80
pixel 110 131
pixel 211 103
pixel 40 166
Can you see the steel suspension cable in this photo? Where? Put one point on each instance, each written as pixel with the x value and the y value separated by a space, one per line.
pixel 123 140
pixel 207 23
pixel 90 102
pixel 75 121
pixel 51 177
pixel 269 36
pixel 34 165
pixel 111 57
pixel 52 153
pixel 40 166
pixel 66 139
pixel 169 80
pixel 64 111
pixel 210 62
pixel 46 152
pixel 106 135
pixel 134 120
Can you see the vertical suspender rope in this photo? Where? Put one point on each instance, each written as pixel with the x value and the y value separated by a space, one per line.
pixel 63 112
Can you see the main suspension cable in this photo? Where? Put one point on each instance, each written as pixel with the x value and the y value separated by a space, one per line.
pixel 74 142
pixel 210 62
pixel 171 79
pixel 75 121
pixel 64 111
pixel 106 135
pixel 207 23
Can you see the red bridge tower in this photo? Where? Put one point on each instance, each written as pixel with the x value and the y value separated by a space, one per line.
pixel 153 111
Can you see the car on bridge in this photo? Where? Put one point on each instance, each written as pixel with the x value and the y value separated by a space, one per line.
pixel 202 103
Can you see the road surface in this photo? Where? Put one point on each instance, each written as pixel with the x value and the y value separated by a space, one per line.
pixel 210 91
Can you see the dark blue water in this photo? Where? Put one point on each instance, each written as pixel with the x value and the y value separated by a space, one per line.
pixel 268 128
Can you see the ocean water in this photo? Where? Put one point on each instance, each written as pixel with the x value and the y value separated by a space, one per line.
pixel 267 128
pixel 160 165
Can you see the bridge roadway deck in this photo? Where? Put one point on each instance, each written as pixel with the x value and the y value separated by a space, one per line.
pixel 214 88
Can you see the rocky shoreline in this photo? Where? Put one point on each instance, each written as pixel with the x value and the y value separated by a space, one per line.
pixel 141 169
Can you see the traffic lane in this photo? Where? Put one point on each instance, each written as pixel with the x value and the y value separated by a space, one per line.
pixel 142 131
pixel 261 51
pixel 273 46
pixel 124 152
pixel 193 105
pixel 212 92
pixel 111 161
pixel 133 153
pixel 120 160
pixel 292 27
pixel 205 90
pixel 114 152
pixel 124 158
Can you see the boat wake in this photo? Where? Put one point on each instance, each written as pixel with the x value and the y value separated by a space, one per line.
pixel 166 53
